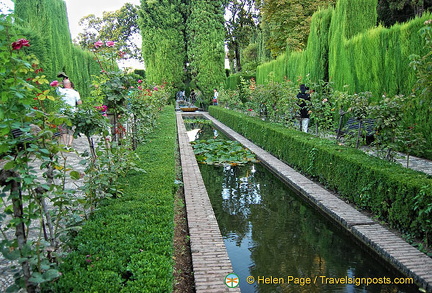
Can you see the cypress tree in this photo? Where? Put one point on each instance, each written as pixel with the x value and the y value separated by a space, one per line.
pixel 162 23
pixel 317 45
pixel 206 36
pixel 349 18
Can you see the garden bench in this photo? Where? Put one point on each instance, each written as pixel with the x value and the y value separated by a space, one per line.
pixel 17 133
pixel 352 128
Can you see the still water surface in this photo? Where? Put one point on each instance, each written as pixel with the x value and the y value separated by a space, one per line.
pixel 272 235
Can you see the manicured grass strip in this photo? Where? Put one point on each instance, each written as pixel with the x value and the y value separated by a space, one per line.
pixel 127 246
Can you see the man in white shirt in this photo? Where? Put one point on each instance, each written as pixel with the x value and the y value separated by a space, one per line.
pixel 72 98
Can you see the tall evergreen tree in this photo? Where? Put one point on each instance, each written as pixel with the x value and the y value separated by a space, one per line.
pixel 46 24
pixel 162 24
pixel 206 36
pixel 54 31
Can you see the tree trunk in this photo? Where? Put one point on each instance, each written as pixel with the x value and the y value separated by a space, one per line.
pixel 17 204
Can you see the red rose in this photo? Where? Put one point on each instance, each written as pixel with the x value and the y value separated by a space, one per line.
pixel 20 43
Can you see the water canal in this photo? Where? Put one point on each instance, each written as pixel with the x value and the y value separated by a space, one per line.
pixel 279 243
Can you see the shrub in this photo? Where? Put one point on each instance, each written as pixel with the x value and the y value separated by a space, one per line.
pixel 127 246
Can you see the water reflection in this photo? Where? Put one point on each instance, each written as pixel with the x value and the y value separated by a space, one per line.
pixel 270 232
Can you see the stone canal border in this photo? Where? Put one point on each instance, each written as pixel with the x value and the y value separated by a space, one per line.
pixel 210 260
pixel 390 247
pixel 387 245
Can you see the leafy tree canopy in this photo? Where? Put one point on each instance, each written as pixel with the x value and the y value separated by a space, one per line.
pixel 287 22
pixel 120 26
pixel 392 11
pixel 240 25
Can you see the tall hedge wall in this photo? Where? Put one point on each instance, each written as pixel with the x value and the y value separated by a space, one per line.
pixel 163 41
pixel 346 47
pixel 206 35
pixel 45 24
pixel 234 80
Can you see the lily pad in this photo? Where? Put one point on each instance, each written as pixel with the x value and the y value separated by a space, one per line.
pixel 221 152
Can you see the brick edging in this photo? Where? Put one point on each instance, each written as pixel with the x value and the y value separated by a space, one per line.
pixel 210 260
pixel 390 247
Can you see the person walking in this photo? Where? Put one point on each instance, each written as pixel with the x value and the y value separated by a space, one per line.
pixel 304 99
pixel 215 97
pixel 71 99
pixel 192 97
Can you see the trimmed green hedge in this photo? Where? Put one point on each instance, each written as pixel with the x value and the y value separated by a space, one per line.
pixel 234 80
pixel 127 246
pixel 400 196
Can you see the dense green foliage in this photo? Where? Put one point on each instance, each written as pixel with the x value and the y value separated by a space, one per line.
pixel 240 27
pixel 399 196
pixel 234 80
pixel 183 42
pixel 346 48
pixel 206 36
pixel 359 56
pixel 163 41
pixel 45 24
pixel 127 244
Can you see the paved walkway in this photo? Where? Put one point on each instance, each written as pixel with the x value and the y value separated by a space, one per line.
pixel 415 163
pixel 72 159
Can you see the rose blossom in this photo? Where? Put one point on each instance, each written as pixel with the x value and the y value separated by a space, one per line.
pixel 54 83
pixel 20 43
pixel 110 44
pixel 98 44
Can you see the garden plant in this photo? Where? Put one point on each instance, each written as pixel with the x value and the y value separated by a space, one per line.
pixel 41 215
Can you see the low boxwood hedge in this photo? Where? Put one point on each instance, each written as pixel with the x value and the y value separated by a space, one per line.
pixel 127 246
pixel 399 196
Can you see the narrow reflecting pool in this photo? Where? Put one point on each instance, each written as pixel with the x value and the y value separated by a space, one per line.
pixel 282 242
pixel 278 243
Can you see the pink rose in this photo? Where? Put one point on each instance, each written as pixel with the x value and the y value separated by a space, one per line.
pixel 110 44
pixel 98 44
pixel 54 83
pixel 155 88
pixel 140 81
pixel 20 43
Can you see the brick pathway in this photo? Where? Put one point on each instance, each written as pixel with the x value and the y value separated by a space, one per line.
pixel 210 260
pixel 393 249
